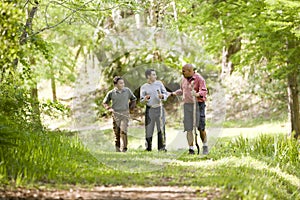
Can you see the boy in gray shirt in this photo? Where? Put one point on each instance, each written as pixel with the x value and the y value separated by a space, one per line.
pixel 121 98
pixel 153 93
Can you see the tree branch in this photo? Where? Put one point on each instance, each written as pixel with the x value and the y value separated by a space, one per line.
pixel 28 25
pixel 81 8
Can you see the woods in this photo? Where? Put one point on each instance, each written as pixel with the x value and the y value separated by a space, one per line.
pixel 249 49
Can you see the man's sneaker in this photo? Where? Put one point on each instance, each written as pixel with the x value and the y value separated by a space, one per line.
pixel 148 149
pixel 191 151
pixel 163 150
pixel 118 149
pixel 205 150
pixel 124 150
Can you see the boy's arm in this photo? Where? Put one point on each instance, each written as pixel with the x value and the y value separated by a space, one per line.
pixel 106 102
pixel 132 102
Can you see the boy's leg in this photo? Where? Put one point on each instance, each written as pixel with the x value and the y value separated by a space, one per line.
pixel 117 130
pixel 124 141
pixel 124 129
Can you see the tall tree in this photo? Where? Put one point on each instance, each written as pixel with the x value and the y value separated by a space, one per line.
pixel 259 34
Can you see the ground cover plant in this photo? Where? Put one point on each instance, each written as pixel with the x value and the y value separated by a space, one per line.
pixel 265 167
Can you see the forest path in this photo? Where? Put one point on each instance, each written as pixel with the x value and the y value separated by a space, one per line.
pixel 114 193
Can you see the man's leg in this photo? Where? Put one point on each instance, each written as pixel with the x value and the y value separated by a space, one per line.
pixel 201 127
pixel 161 133
pixel 190 139
pixel 188 125
pixel 149 128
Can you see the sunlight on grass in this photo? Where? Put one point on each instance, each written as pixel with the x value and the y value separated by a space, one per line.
pixel 242 162
pixel 136 161
pixel 269 128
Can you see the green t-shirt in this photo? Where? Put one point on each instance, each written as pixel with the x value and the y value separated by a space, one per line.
pixel 119 98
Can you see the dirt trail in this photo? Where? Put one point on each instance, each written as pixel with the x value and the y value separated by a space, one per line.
pixel 113 193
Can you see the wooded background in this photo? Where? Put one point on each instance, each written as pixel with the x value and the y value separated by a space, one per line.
pixel 250 47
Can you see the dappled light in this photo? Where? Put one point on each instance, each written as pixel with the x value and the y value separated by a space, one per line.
pixel 149 99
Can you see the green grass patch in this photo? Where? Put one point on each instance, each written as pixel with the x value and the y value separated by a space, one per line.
pixel 265 167
pixel 249 123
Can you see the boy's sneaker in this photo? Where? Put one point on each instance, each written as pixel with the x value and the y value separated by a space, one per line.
pixel 124 150
pixel 191 151
pixel 205 150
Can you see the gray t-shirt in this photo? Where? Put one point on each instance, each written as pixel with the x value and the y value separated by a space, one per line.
pixel 153 89
pixel 119 98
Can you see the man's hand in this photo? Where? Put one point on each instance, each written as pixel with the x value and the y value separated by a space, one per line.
pixel 147 97
pixel 172 93
pixel 195 94
pixel 161 96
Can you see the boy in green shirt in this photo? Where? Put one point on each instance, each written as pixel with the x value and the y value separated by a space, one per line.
pixel 121 98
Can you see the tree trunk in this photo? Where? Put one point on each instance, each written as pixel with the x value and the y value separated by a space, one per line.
pixel 174 10
pixel 53 86
pixel 227 65
pixel 36 114
pixel 138 18
pixel 293 97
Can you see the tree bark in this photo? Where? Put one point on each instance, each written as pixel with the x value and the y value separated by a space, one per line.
pixel 227 65
pixel 28 25
pixel 36 115
pixel 137 17
pixel 53 86
pixel 293 97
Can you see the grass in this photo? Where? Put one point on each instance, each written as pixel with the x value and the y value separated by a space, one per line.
pixel 262 167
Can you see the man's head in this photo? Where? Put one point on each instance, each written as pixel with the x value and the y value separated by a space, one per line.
pixel 188 70
pixel 119 82
pixel 150 75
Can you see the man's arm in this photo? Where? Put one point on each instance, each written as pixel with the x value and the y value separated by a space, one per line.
pixel 143 95
pixel 163 92
pixel 202 89
pixel 178 92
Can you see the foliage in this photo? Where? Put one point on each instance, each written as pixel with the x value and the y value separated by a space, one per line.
pixel 15 103
pixel 54 109
pixel 11 18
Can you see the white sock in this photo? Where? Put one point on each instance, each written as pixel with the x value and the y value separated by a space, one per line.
pixel 205 144
pixel 192 147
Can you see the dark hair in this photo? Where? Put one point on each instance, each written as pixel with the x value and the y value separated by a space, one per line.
pixel 148 72
pixel 116 79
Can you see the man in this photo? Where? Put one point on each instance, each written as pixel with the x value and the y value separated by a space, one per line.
pixel 121 98
pixel 153 93
pixel 193 85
